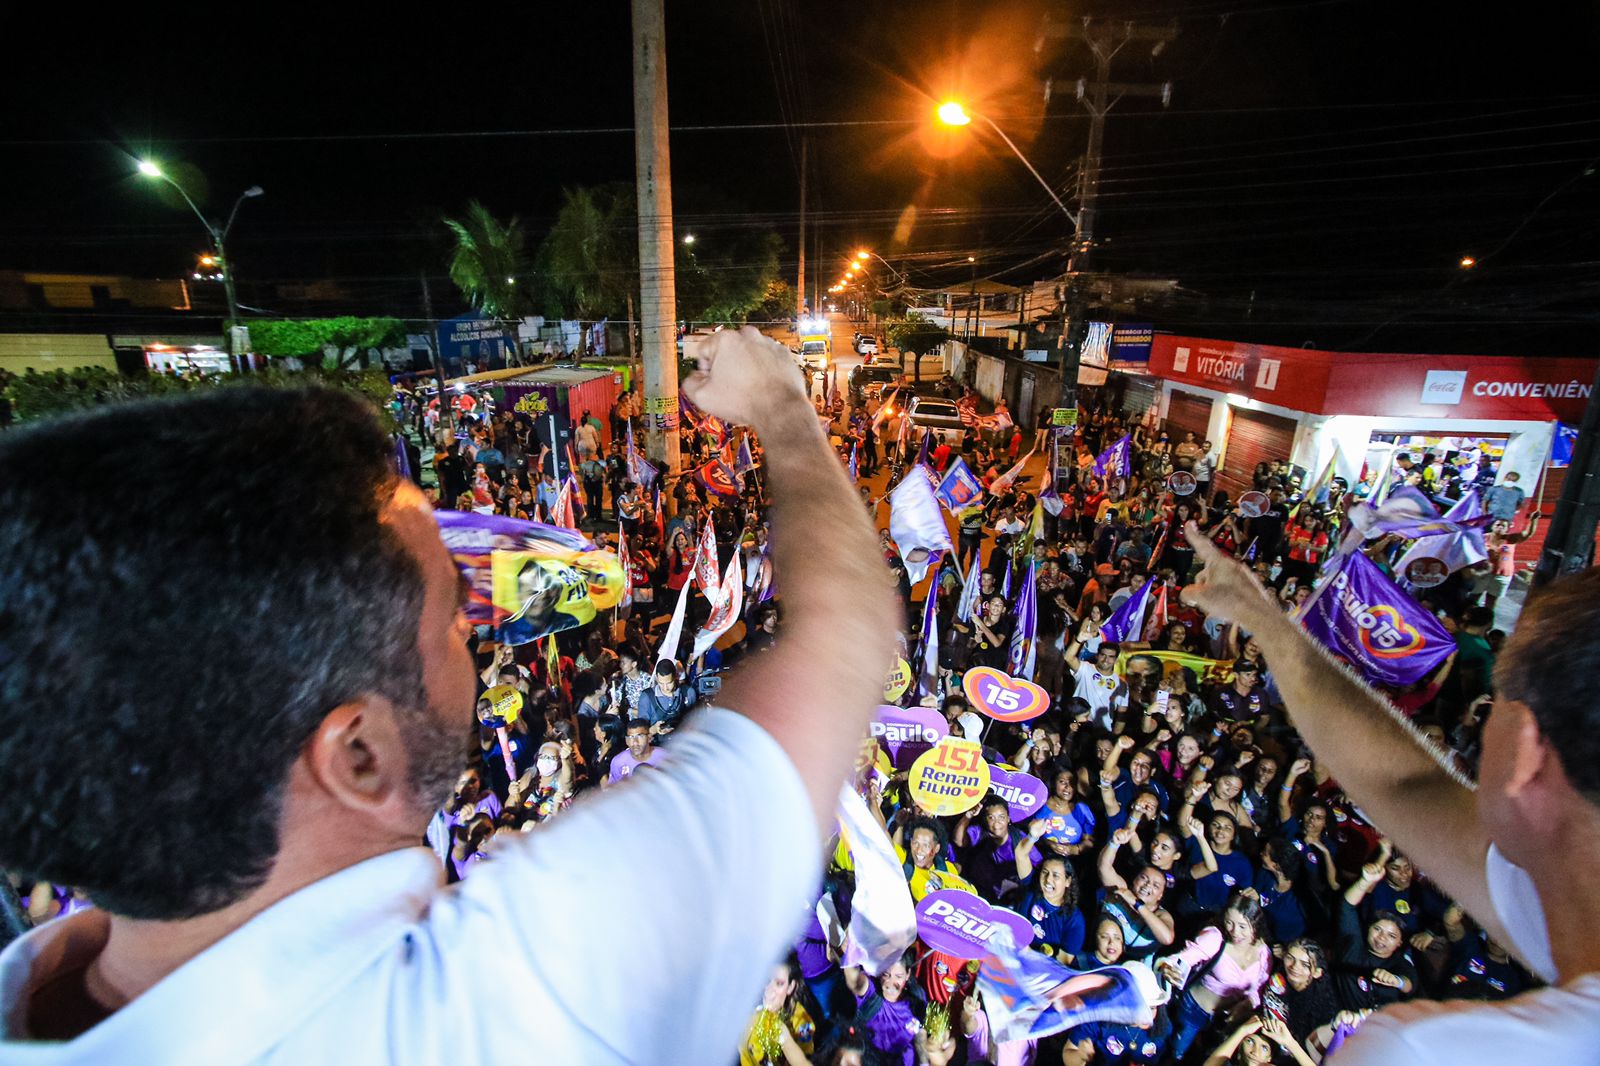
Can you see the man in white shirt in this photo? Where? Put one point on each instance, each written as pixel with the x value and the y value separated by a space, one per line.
pixel 1514 852
pixel 270 632
pixel 1097 683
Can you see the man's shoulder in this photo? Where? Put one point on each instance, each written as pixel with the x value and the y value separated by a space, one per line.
pixel 1560 1024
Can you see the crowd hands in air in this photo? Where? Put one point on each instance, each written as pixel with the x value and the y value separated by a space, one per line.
pixel 1186 825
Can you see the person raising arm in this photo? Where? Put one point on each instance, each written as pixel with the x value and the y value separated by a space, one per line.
pixel 1504 850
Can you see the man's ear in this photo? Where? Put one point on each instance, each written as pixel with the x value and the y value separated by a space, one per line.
pixel 357 756
pixel 1528 750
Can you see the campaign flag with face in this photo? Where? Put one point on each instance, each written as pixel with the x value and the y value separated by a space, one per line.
pixel 960 487
pixel 1049 498
pixel 1367 620
pixel 717 478
pixel 725 608
pixel 1004 482
pixel 705 563
pixel 928 676
pixel 1127 623
pixel 640 470
pixel 1115 461
pixel 1022 655
pixel 1458 550
pixel 883 922
pixel 917 524
pixel 1028 995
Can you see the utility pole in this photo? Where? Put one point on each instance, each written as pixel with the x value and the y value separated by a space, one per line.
pixel 800 281
pixel 657 295
pixel 1105 39
pixel 1569 543
pixel 444 429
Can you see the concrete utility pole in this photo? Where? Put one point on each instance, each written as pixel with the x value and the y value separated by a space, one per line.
pixel 800 281
pixel 657 290
pixel 1105 39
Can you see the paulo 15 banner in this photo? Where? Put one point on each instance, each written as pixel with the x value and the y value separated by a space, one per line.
pixel 1367 620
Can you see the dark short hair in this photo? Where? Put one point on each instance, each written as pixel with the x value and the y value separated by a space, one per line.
pixel 191 585
pixel 1550 662
pixel 638 723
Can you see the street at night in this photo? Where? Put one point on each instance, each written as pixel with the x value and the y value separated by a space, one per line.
pixel 778 534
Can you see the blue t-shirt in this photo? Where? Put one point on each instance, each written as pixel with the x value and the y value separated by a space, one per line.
pixel 1233 871
pixel 1062 928
pixel 1068 828
pixel 1124 1045
pixel 1283 908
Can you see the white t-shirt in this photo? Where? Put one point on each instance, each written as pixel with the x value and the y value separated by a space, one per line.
pixel 1551 1025
pixel 525 961
pixel 1099 690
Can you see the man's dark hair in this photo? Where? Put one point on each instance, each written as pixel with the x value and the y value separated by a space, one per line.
pixel 638 723
pixel 191 585
pixel 1550 662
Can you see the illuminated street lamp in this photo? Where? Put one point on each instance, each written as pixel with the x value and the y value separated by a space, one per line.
pixel 219 235
pixel 953 114
pixel 1467 262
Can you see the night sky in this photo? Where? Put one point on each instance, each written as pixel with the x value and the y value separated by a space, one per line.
pixel 1320 171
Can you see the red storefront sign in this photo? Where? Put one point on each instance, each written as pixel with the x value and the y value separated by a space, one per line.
pixel 1381 384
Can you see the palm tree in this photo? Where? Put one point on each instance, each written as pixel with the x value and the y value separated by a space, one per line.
pixel 488 261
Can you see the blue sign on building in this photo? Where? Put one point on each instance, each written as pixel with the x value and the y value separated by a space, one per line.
pixel 1130 342
pixel 472 338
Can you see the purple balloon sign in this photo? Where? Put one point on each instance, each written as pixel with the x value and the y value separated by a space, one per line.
pixel 960 924
pixel 1023 793
pixel 908 732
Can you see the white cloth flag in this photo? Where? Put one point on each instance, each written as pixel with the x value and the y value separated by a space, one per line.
pixel 669 643
pixel 725 608
pixel 883 920
pixel 916 523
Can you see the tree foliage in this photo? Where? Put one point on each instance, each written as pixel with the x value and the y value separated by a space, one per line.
pixel 917 335
pixel 778 305
pixel 352 338
pixel 724 277
pixel 37 396
pixel 487 262
pixel 588 263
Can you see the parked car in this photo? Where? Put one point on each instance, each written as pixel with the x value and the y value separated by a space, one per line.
pixel 867 344
pixel 941 416
pixel 869 379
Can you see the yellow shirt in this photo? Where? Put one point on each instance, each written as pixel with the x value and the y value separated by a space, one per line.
pixel 762 1033
pixel 925 881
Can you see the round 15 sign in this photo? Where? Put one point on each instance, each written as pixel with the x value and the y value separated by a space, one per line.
pixel 1002 697
pixel 950 778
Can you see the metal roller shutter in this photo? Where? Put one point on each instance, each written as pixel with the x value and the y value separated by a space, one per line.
pixel 1255 437
pixel 1138 395
pixel 1187 413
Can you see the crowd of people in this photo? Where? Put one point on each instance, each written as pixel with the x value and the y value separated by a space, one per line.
pixel 1186 824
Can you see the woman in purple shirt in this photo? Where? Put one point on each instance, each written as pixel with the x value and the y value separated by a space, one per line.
pixel 889 1010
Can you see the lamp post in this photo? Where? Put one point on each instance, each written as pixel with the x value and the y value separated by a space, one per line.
pixel 953 114
pixel 219 238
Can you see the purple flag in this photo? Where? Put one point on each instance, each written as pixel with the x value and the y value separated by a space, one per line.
pixel 922 453
pixel 971 590
pixel 1115 461
pixel 640 470
pixel 1128 621
pixel 1028 995
pixel 960 488
pixel 1455 551
pixel 1367 620
pixel 402 461
pixel 1021 657
pixel 745 462
pixel 928 676
pixel 854 475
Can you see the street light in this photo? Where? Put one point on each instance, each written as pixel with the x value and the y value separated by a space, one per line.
pixel 953 114
pixel 688 238
pixel 219 236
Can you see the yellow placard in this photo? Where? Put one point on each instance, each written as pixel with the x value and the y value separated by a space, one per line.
pixel 950 778
pixel 505 701
pixel 899 681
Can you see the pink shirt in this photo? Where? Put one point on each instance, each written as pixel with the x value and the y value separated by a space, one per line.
pixel 1227 979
